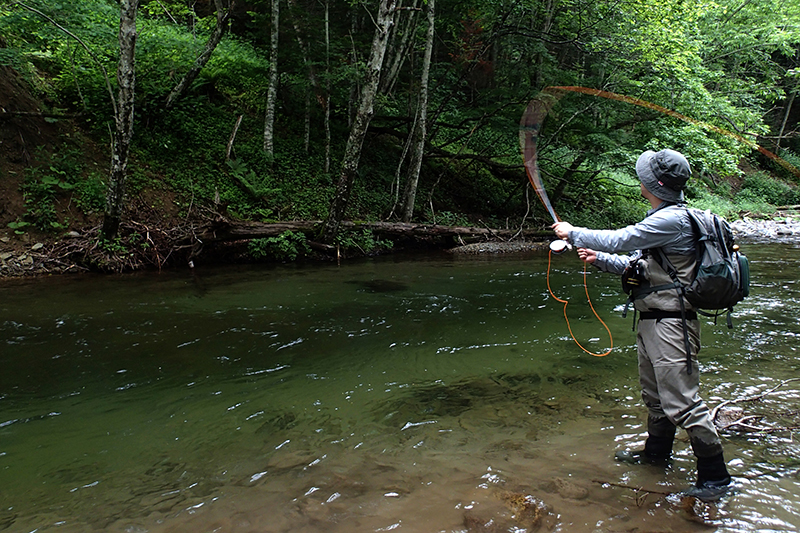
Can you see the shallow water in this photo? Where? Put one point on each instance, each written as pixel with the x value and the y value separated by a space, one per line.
pixel 408 394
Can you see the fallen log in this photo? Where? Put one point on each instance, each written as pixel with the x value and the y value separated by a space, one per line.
pixel 227 230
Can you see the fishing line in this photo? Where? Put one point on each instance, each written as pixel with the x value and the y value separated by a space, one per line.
pixel 566 318
pixel 554 93
pixel 529 127
pixel 531 124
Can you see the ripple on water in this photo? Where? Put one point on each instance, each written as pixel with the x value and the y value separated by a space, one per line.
pixel 424 399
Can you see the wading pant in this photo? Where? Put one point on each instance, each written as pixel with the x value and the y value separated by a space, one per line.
pixel 669 392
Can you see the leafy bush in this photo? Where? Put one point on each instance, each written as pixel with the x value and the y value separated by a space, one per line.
pixel 90 193
pixel 760 185
pixel 364 241
pixel 793 160
pixel 287 246
pixel 39 193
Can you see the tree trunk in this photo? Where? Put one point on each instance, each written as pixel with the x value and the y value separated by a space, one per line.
pixel 126 79
pixel 547 24
pixel 786 114
pixel 231 231
pixel 404 38
pixel 272 92
pixel 304 50
pixel 421 130
pixel 223 15
pixel 327 89
pixel 359 130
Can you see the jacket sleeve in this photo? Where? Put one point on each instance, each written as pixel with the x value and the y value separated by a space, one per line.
pixel 661 229
pixel 612 263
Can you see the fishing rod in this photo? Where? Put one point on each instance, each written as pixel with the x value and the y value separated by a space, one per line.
pixel 529 127
pixel 531 124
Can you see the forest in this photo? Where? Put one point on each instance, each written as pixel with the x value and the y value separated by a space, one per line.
pixel 146 132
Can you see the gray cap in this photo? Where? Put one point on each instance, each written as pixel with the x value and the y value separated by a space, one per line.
pixel 664 174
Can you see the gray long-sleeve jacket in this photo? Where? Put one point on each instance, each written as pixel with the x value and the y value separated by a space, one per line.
pixel 666 227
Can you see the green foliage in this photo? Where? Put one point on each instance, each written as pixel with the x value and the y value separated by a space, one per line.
pixel 793 160
pixel 287 246
pixel 607 211
pixel 364 241
pixel 724 64
pixel 61 179
pixel 40 190
pixel 448 218
pixel 257 186
pixel 18 226
pixel 90 193
pixel 760 186
pixel 115 246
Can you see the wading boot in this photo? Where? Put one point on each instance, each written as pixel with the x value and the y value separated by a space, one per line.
pixel 657 451
pixel 713 479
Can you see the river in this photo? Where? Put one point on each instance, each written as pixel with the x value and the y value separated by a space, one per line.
pixel 412 394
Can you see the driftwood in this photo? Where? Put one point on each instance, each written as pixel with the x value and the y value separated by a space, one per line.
pixel 727 417
pixel 226 231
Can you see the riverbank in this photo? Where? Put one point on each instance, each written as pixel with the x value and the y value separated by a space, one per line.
pixel 783 229
pixel 26 255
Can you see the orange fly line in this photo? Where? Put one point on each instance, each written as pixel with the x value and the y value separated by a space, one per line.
pixel 566 318
pixel 529 127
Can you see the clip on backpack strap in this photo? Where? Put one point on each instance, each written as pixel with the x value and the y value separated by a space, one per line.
pixel 628 304
pixel 686 336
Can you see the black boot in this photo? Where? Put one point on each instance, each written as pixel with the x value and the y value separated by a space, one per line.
pixel 713 479
pixel 657 451
pixel 657 447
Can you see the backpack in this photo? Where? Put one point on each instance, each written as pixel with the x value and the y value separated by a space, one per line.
pixel 722 275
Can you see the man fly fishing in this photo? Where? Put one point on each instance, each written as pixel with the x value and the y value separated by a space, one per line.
pixel 668 324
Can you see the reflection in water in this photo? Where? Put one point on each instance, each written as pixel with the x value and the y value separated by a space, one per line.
pixel 434 395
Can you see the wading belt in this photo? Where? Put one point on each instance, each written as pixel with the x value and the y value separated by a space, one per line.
pixel 658 315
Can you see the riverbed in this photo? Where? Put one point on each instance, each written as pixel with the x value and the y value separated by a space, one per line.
pixel 436 393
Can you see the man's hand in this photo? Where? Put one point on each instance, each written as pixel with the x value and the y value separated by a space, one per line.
pixel 586 255
pixel 562 229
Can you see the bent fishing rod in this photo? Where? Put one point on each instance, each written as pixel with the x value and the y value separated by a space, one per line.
pixel 529 127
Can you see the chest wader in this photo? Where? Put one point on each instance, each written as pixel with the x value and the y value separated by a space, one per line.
pixel 649 286
pixel 636 283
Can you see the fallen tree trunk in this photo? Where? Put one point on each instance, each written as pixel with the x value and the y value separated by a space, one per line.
pixel 227 231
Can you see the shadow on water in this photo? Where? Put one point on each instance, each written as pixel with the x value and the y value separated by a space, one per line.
pixel 436 395
pixel 381 285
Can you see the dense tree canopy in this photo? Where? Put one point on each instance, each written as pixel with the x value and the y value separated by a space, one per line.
pixel 731 65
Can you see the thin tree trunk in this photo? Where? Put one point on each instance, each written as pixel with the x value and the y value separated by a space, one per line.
pixel 272 92
pixel 355 88
pixel 395 190
pixel 307 124
pixel 327 89
pixel 126 79
pixel 547 23
pixel 421 129
pixel 304 50
pixel 785 120
pixel 400 51
pixel 229 150
pixel 355 141
pixel 223 15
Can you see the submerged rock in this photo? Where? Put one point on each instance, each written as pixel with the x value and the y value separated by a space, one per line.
pixel 517 511
pixel 566 489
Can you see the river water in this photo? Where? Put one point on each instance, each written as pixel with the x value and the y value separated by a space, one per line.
pixel 408 394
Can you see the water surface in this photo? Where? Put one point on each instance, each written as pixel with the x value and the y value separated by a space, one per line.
pixel 408 394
